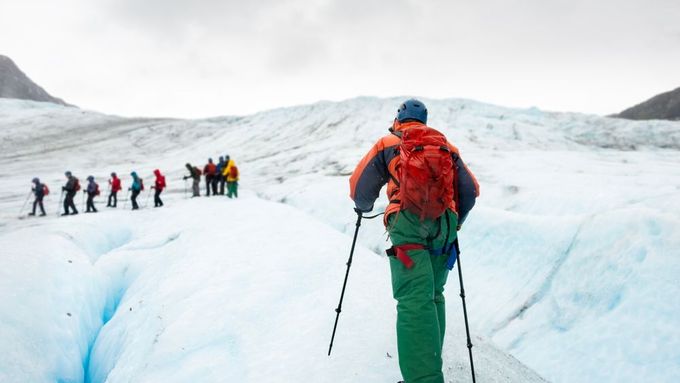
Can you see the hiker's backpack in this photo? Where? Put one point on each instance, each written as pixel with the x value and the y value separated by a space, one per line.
pixel 425 172
pixel 233 172
pixel 96 189
pixel 77 185
pixel 46 190
pixel 141 184
pixel 197 171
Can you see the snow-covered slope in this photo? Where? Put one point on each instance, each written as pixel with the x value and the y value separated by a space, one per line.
pixel 571 256
pixel 238 293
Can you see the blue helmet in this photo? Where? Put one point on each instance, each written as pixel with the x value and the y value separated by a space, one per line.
pixel 412 110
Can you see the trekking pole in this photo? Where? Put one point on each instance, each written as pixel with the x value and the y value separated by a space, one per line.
pixel 61 198
pixel 25 202
pixel 349 264
pixel 148 194
pixel 127 198
pixel 185 188
pixel 462 296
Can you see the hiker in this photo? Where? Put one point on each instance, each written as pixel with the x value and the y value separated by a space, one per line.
pixel 136 188
pixel 220 178
pixel 423 233
pixel 71 188
pixel 232 175
pixel 195 175
pixel 209 171
pixel 115 186
pixel 92 191
pixel 158 186
pixel 39 191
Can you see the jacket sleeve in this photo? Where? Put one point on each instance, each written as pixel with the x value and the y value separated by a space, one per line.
pixel 468 189
pixel 369 177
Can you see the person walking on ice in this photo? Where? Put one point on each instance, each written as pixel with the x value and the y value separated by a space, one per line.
pixel 136 188
pixel 92 191
pixel 231 174
pixel 430 192
pixel 159 185
pixel 115 186
pixel 39 191
pixel 71 188
pixel 195 175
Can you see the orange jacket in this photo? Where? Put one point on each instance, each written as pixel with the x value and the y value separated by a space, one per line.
pixel 378 167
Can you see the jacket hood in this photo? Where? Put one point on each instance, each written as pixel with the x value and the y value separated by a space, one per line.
pixel 157 173
pixel 134 174
pixel 90 178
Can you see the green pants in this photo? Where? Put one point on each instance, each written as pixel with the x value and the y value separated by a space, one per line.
pixel 421 316
pixel 232 189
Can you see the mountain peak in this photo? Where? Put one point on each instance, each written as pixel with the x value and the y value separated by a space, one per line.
pixel 664 106
pixel 15 84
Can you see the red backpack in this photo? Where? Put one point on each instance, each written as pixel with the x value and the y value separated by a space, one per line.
pixel 233 172
pixel 77 185
pixel 46 190
pixel 425 172
pixel 141 184
pixel 96 189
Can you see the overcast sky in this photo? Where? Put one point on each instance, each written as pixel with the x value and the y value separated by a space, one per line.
pixel 193 58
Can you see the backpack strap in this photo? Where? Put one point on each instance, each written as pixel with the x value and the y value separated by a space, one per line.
pixel 401 253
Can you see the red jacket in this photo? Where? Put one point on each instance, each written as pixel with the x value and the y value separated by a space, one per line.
pixel 115 184
pixel 210 169
pixel 160 180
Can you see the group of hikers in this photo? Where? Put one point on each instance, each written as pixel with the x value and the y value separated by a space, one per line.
pixel 216 175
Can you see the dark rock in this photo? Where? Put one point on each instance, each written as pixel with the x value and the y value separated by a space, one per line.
pixel 665 106
pixel 15 84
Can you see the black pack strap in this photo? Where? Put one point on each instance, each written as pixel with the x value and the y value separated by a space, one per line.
pixel 395 201
pixel 372 216
pixel 394 179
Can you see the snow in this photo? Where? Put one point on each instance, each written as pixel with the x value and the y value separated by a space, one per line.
pixel 243 293
pixel 570 257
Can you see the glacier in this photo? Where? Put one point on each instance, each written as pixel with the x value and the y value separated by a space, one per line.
pixel 570 256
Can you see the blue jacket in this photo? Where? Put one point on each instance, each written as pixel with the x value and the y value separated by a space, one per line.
pixel 136 183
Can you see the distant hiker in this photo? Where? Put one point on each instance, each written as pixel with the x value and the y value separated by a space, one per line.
pixel 92 191
pixel 158 186
pixel 115 186
pixel 220 178
pixel 210 172
pixel 195 175
pixel 231 172
pixel 431 192
pixel 39 191
pixel 136 188
pixel 71 188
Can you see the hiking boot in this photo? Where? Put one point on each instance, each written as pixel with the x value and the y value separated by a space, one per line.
pixel 42 214
pixel 63 214
pixel 31 214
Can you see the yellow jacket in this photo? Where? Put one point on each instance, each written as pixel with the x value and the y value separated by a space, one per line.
pixel 227 171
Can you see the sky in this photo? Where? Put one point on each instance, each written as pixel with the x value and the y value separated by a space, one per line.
pixel 193 58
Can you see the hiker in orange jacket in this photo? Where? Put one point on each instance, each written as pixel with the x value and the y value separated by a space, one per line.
pixel 422 227
pixel 210 170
